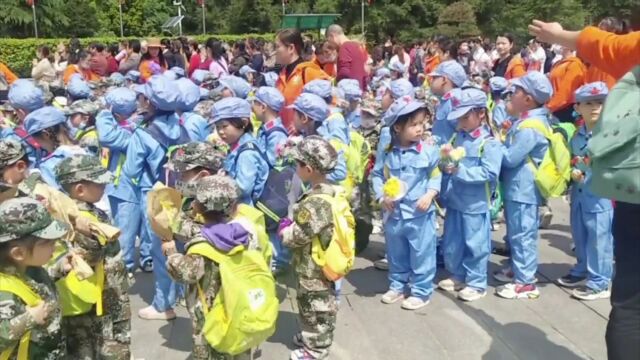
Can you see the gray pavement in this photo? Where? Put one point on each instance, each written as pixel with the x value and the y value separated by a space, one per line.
pixel 553 327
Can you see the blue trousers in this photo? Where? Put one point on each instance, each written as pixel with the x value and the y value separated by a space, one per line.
pixel 522 234
pixel 281 254
pixel 128 218
pixel 411 252
pixel 467 246
pixel 166 290
pixel 594 246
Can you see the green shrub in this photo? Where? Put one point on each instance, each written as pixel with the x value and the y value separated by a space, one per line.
pixel 18 54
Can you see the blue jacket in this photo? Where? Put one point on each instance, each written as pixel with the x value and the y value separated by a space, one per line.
pixel 248 168
pixel 48 164
pixel 469 189
pixel 443 129
pixel 197 126
pixel 340 171
pixel 32 153
pixel 336 127
pixel 580 193
pixel 354 118
pixel 499 114
pixel 417 166
pixel 145 156
pixel 521 144
pixel 271 135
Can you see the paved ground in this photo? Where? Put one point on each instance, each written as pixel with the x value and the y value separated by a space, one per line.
pixel 553 327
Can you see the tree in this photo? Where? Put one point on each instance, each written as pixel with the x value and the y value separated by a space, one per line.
pixel 16 18
pixel 458 21
pixel 82 19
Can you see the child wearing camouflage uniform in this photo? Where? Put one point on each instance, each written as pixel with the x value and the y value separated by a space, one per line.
pixel 312 217
pixel 29 308
pixel 103 331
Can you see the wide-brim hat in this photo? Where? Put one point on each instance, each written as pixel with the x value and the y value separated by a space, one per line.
pixel 154 42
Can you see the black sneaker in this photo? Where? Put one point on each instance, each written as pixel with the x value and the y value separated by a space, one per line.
pixel 571 281
pixel 501 250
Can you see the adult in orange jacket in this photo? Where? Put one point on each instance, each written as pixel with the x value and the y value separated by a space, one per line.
pixel 508 66
pixel 152 62
pixel 82 67
pixel 8 74
pixel 594 73
pixel 295 71
pixel 566 76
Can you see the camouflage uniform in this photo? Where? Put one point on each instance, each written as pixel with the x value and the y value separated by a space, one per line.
pixel 312 218
pixel 88 137
pixel 216 193
pixel 20 217
pixel 10 152
pixel 90 336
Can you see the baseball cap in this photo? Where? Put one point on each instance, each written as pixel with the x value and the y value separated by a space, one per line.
pixel 230 108
pixel 319 87
pixel 467 100
pixel 270 97
pixel 122 101
pixel 311 105
pixel 24 94
pixel 592 91
pixel 535 84
pixel 452 70
pixel 402 106
pixel 43 118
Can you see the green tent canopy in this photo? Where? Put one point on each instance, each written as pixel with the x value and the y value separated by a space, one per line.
pixel 308 21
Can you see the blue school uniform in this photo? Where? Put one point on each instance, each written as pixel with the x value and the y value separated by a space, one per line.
pixel 591 222
pixel 48 164
pixel 410 233
pixel 197 127
pixel 467 196
pixel 444 129
pixel 521 195
pixel 271 135
pixel 248 168
pixel 336 126
pixel 499 114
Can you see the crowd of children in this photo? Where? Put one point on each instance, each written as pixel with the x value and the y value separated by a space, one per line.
pixel 270 199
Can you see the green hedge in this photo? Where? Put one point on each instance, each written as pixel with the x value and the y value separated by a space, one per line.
pixel 19 53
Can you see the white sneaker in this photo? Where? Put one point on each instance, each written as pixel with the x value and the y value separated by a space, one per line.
pixel 545 217
pixel 587 294
pixel 450 285
pixel 382 264
pixel 391 297
pixel 471 294
pixel 518 291
pixel 414 303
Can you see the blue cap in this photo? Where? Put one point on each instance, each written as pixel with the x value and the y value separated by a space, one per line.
pixel 383 72
pixel 270 97
pixel 78 88
pixel 178 71
pixel 198 76
pixel 160 91
pixel 452 70
pixel 169 74
pixel 133 75
pixel 350 89
pixel 319 87
pixel 122 101
pixel 117 78
pixel 466 100
pixel 25 95
pixel 535 84
pixel 230 108
pixel 498 84
pixel 592 91
pixel 245 70
pixel 311 105
pixel 204 93
pixel 188 94
pixel 397 66
pixel 402 106
pixel 237 85
pixel 401 87
pixel 270 78
pixel 43 118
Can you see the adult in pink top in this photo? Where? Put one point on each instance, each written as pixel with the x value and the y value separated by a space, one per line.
pixel 194 60
pixel 352 56
pixel 215 62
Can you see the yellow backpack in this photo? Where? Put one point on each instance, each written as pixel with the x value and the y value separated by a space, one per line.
pixel 255 220
pixel 17 287
pixel 244 312
pixel 356 155
pixel 337 259
pixel 553 174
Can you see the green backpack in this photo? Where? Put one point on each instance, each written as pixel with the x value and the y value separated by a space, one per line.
pixel 615 146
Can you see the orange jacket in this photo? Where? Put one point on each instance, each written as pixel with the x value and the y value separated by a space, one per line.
pixel 8 74
pixel 566 77
pixel 594 74
pixel 145 70
pixel 614 54
pixel 329 68
pixel 87 75
pixel 515 68
pixel 431 63
pixel 291 87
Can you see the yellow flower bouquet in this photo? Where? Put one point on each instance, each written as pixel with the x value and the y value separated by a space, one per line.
pixel 450 156
pixel 394 188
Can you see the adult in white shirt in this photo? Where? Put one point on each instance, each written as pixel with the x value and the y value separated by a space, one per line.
pixel 399 53
pixel 43 71
pixel 481 60
pixel 537 56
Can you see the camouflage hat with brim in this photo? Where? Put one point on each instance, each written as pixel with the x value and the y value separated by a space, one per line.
pixel 316 152
pixel 21 217
pixel 82 168
pixel 6 107
pixel 217 193
pixel 85 107
pixel 10 152
pixel 196 154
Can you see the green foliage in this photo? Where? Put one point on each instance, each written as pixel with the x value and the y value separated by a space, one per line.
pixel 458 21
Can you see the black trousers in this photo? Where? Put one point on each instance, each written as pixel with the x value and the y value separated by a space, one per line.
pixel 623 329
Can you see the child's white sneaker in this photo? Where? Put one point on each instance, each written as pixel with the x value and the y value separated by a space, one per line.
pixel 414 303
pixel 587 294
pixel 382 264
pixel 471 294
pixel 518 291
pixel 450 285
pixel 391 297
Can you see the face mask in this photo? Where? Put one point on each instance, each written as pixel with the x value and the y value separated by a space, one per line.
pixel 73 131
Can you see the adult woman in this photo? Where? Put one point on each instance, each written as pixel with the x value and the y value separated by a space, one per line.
pixel 216 62
pixel 508 66
pixel 43 72
pixel 566 76
pixel 295 72
pixel 195 59
pixel 326 57
pixel 593 74
pixel 402 57
pixel 132 60
pixel 152 62
pixel 80 63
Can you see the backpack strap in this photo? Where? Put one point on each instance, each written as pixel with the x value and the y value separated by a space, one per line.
pixel 540 128
pixel 19 288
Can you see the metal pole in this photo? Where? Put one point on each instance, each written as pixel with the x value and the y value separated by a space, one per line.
pixel 204 22
pixel 283 8
pixel 362 24
pixel 35 19
pixel 180 15
pixel 121 23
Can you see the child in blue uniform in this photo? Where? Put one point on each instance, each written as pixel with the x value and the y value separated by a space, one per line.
pixel 591 216
pixel 410 233
pixel 233 86
pixel 25 98
pixel 245 164
pixel 189 96
pixel 521 195
pixel 499 115
pixel 447 76
pixel 466 192
pixel 266 104
pixel 334 124
pixel 78 89
pixel 350 94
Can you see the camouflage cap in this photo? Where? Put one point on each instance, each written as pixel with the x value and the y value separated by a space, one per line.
pixel 316 152
pixel 370 106
pixel 10 152
pixel 194 154
pixel 85 107
pixel 82 168
pixel 23 216
pixel 217 193
pixel 6 107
